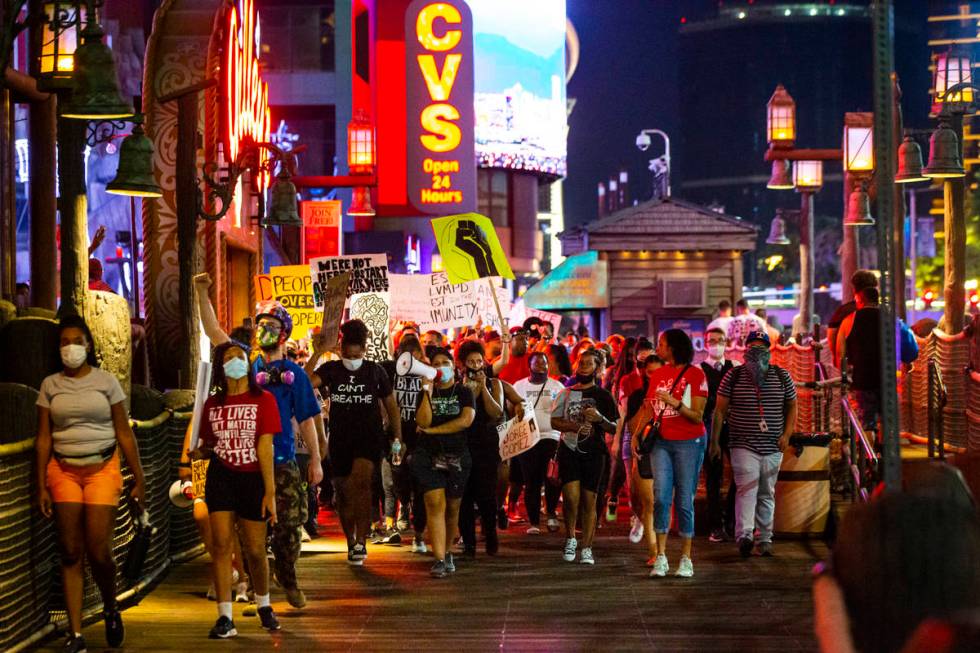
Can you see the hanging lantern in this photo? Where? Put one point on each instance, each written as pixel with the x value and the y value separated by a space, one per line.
pixel 781 179
pixel 95 88
pixel 135 173
pixel 909 162
pixel 859 209
pixel 282 207
pixel 361 203
pixel 859 153
pixel 781 118
pixel 944 154
pixel 360 144
pixel 808 176
pixel 777 230
pixel 60 34
pixel 952 68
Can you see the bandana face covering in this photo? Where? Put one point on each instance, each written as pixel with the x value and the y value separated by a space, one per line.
pixel 757 361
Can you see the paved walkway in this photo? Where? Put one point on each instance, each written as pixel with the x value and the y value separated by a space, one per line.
pixel 524 599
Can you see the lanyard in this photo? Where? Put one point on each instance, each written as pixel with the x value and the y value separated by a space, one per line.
pixel 763 426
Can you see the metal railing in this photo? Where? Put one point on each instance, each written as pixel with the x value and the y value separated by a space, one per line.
pixel 937 404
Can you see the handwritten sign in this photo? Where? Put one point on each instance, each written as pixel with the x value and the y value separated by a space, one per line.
pixel 517 436
pixel 432 302
pixel 293 288
pixel 368 273
pixel 263 288
pixel 333 309
pixel 372 309
pixel 520 312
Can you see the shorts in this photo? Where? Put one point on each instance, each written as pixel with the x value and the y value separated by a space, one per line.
pixel 344 448
pixel 227 490
pixel 626 446
pixel 92 485
pixel 586 468
pixel 452 480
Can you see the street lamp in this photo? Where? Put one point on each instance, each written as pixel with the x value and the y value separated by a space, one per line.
pixel 781 119
pixel 643 142
pixel 808 176
pixel 954 69
pixel 859 153
pixel 361 161
pixel 60 34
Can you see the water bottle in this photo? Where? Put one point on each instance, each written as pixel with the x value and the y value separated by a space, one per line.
pixel 396 452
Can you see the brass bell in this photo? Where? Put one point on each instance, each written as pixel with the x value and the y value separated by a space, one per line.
pixel 360 204
pixel 781 179
pixel 909 162
pixel 282 208
pixel 859 209
pixel 777 230
pixel 944 154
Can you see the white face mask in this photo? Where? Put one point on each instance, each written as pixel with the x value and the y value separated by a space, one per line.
pixel 716 351
pixel 352 364
pixel 73 355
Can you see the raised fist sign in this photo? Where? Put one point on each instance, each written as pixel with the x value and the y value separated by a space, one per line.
pixel 471 240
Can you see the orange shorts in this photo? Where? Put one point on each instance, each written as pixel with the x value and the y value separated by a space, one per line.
pixel 94 485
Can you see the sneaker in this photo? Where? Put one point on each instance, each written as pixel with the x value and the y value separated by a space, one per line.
pixel 402 525
pixel 611 509
pixel 636 530
pixel 570 545
pixel 352 559
pixel 250 609
pixel 359 551
pixel 765 549
pixel 376 537
pixel 268 618
pixel 295 597
pixel 685 569
pixel 74 644
pixel 241 593
pixel 651 561
pixel 717 535
pixel 418 546
pixel 223 629
pixel 533 530
pixel 438 570
pixel 586 558
pixel 502 522
pixel 660 567
pixel 310 529
pixel 514 515
pixel 393 537
pixel 450 564
pixel 212 596
pixel 553 525
pixel 304 536
pixel 745 546
pixel 115 633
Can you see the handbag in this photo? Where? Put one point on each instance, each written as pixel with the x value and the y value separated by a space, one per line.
pixel 650 432
pixel 553 474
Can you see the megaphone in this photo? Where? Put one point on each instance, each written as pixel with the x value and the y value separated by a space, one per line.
pixel 182 493
pixel 408 365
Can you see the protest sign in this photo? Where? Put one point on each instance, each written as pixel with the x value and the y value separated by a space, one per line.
pixel 292 287
pixel 333 309
pixel 433 302
pixel 372 309
pixel 517 436
pixel 520 312
pixel 263 288
pixel 470 248
pixel 368 273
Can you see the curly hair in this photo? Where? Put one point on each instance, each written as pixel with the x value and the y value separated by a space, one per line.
pixel 470 347
pixel 680 346
pixel 354 332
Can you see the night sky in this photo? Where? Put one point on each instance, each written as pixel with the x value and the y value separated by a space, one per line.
pixel 627 81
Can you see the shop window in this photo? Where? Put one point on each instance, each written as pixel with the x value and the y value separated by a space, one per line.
pixel 298 37
pixel 493 195
pixel 683 293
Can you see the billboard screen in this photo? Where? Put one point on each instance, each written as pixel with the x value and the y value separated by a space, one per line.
pixel 519 82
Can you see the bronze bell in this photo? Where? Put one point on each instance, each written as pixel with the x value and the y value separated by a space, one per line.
pixel 944 153
pixel 360 204
pixel 777 230
pixel 134 176
pixel 859 209
pixel 781 178
pixel 282 208
pixel 95 88
pixel 909 162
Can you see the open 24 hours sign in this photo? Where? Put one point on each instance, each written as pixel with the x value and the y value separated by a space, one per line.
pixel 441 164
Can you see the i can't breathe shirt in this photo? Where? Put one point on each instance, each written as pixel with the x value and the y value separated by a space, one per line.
pixel 232 428
pixel 354 398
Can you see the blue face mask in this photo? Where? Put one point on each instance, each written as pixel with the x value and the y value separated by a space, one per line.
pixel 236 368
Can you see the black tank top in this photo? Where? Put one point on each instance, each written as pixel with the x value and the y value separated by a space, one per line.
pixel 482 434
pixel 863 353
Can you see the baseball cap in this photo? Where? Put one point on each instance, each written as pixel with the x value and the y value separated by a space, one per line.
pixel 758 336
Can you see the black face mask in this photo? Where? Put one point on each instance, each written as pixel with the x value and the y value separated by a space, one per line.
pixel 585 379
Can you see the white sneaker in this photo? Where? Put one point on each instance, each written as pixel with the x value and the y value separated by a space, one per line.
pixel 418 546
pixel 587 558
pixel 636 530
pixel 553 524
pixel 685 569
pixel 570 545
pixel 533 530
pixel 241 593
pixel 660 567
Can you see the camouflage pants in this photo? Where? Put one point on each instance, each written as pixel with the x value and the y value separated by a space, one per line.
pixel 291 514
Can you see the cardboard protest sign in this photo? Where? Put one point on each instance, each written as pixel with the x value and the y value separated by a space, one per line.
pixel 372 309
pixel 433 302
pixel 520 312
pixel 263 288
pixel 292 287
pixel 333 309
pixel 470 248
pixel 368 273
pixel 517 436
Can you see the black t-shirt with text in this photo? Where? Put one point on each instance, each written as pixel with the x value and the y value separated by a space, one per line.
pixel 447 404
pixel 408 395
pixel 354 397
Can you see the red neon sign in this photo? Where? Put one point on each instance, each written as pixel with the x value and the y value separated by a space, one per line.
pixel 246 96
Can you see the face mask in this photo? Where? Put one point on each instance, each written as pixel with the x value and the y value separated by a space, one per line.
pixel 539 377
pixel 585 378
pixel 236 368
pixel 352 364
pixel 73 355
pixel 716 351
pixel 446 373
pixel 268 338
pixel 757 360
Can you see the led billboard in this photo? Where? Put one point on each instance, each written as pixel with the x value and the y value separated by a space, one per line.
pixel 519 78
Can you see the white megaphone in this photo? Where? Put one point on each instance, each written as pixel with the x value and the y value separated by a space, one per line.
pixel 408 365
pixel 182 493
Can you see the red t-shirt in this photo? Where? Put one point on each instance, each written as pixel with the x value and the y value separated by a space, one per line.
pixel 517 368
pixel 675 426
pixel 232 428
pixel 630 384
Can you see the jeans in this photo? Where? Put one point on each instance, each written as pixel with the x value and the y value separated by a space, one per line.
pixel 720 516
pixel 676 466
pixel 396 480
pixel 534 463
pixel 755 501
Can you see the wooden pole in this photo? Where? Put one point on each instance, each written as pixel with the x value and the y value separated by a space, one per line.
pixel 807 266
pixel 496 303
pixel 186 186
pixel 954 229
pixel 898 228
pixel 849 245
pixel 73 207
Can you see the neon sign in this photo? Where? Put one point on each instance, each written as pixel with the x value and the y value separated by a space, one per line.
pixel 441 170
pixel 246 96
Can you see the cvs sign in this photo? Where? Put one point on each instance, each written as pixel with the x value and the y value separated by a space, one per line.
pixel 441 164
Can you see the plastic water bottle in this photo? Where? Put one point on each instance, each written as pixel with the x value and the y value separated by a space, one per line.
pixel 396 452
